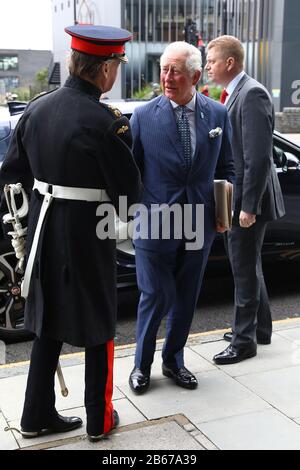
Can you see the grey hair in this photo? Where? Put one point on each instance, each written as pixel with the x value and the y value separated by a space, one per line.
pixel 193 55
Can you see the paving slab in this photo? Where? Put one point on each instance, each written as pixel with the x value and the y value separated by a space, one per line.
pixel 280 388
pixel 23 443
pixel 7 439
pixel 217 396
pixel 292 334
pixel 278 355
pixel 167 435
pixel 12 392
pixel 125 365
pixel 251 405
pixel 128 415
pixel 286 324
pixel 263 430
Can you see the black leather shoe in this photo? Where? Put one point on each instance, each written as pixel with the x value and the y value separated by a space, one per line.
pixel 139 381
pixel 232 355
pixel 228 337
pixel 59 424
pixel 182 377
pixel 99 437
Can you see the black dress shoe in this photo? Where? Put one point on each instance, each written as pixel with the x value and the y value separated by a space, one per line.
pixel 232 355
pixel 99 437
pixel 228 337
pixel 182 377
pixel 58 424
pixel 139 380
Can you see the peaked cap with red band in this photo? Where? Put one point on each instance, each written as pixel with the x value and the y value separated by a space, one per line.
pixel 106 42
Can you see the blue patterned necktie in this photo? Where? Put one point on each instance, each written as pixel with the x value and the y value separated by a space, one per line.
pixel 185 135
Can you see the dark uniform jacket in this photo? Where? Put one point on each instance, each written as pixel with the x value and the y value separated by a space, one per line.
pixel 68 138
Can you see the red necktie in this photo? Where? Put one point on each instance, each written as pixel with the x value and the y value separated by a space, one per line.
pixel 223 96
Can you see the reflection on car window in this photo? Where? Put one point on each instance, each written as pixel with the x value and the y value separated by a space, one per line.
pixel 4 130
pixel 279 156
pixel 4 138
pixel 3 148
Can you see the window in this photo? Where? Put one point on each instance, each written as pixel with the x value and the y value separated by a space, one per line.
pixel 10 82
pixel 8 62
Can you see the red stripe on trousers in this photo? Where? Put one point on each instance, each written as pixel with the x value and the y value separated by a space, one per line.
pixel 108 413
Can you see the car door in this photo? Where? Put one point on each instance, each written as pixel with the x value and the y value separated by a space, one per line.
pixel 283 236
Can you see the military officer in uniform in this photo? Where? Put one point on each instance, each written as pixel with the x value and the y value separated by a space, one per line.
pixel 75 153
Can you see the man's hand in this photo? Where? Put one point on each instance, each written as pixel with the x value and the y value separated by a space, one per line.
pixel 220 228
pixel 246 220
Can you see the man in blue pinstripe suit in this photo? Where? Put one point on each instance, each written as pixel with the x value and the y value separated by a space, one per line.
pixel 181 143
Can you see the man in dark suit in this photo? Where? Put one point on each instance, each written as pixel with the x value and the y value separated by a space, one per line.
pixel 77 153
pixel 258 197
pixel 178 156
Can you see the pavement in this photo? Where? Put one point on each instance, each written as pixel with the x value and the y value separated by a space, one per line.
pixel 251 405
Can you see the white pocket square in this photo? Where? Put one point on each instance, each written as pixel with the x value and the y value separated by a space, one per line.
pixel 215 132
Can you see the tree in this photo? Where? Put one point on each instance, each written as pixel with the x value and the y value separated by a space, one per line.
pixel 41 80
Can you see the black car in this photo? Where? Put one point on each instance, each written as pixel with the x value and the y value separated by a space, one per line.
pixel 282 240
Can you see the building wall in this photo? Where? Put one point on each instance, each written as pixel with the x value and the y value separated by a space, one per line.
pixel 268 29
pixel 290 77
pixel 29 63
pixel 86 11
pixel 155 23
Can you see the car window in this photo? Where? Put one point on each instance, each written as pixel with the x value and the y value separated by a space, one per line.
pixel 285 152
pixel 3 148
pixel 5 130
pixel 279 156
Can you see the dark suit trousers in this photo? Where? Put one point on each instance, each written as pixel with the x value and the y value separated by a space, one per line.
pixel 39 407
pixel 252 314
pixel 169 284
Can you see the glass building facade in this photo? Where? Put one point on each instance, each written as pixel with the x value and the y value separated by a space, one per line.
pixel 155 23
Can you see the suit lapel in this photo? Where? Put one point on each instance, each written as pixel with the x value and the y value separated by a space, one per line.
pixel 202 125
pixel 166 116
pixel 237 89
pixel 167 120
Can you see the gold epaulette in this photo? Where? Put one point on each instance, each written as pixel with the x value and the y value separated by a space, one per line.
pixel 122 130
pixel 115 111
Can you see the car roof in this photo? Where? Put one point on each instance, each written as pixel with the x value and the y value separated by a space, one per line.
pixel 5 117
pixel 125 106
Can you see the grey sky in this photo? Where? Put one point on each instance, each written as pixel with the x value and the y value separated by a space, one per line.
pixel 26 24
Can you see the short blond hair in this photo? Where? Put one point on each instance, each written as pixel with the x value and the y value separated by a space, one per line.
pixel 229 46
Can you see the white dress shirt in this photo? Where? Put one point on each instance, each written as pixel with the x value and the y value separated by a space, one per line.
pixel 191 112
pixel 233 84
